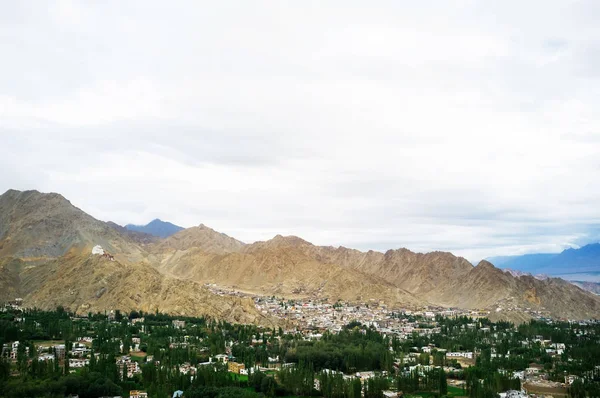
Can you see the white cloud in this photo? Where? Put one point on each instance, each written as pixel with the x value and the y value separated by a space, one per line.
pixel 471 128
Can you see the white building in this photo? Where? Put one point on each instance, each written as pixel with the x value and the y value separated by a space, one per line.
pixel 222 358
pixel 46 357
pixel 178 324
pixel 513 394
pixel 468 355
pixel 78 363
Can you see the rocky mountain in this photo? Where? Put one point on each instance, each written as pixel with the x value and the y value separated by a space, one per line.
pixel 592 287
pixel 291 266
pixel 201 237
pixel 46 258
pixel 517 273
pixel 41 227
pixel 94 283
pixel 281 266
pixel 159 228
pixel 446 280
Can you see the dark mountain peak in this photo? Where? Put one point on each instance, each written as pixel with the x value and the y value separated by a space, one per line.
pixel 156 227
pixel 139 237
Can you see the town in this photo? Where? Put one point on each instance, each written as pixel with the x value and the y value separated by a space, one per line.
pixel 318 313
pixel 319 349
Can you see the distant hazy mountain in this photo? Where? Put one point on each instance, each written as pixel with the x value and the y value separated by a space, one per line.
pixel 530 263
pixel 571 261
pixel 139 237
pixel 156 227
pixel 585 259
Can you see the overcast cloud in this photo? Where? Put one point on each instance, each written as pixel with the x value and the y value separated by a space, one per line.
pixel 468 126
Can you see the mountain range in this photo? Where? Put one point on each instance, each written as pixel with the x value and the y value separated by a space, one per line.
pixel 570 263
pixel 46 258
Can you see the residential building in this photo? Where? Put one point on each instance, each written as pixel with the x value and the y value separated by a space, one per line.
pixel 222 358
pixel 235 367
pixel 468 355
pixel 177 324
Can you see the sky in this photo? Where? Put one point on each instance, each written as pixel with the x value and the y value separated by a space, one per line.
pixel 464 126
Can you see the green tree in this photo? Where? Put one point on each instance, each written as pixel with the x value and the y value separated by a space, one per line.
pixel 443 383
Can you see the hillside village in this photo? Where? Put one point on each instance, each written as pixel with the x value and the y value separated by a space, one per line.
pixel 321 313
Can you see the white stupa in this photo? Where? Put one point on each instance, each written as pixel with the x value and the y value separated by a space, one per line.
pixel 98 250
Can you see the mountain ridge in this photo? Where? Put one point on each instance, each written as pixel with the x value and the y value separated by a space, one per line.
pixel 46 244
pixel 203 237
pixel 435 278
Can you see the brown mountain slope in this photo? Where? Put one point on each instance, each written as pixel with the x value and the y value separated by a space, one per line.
pixel 281 266
pixel 486 286
pixel 10 281
pixel 592 287
pixel 291 265
pixel 444 279
pixel 86 283
pixel 416 272
pixel 45 258
pixel 200 237
pixel 35 226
